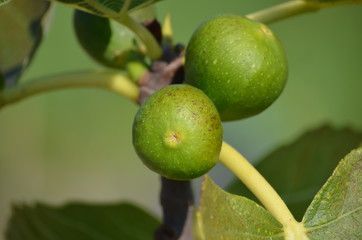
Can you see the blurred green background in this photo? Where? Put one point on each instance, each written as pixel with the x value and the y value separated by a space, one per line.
pixel 76 144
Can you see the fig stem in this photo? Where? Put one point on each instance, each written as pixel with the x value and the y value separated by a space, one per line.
pixel 125 8
pixel 260 187
pixel 154 50
pixel 284 10
pixel 108 80
pixel 136 70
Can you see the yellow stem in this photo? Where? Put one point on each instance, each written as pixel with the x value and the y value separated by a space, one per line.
pixel 154 50
pixel 125 8
pixel 112 81
pixel 257 184
pixel 284 10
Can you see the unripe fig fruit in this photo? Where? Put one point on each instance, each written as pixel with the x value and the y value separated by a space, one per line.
pixel 239 63
pixel 177 132
pixel 106 41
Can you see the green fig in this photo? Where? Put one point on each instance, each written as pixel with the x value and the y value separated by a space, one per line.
pixel 107 41
pixel 239 63
pixel 177 132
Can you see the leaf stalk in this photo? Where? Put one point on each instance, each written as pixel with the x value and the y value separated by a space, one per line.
pixel 154 50
pixel 108 80
pixel 284 10
pixel 260 187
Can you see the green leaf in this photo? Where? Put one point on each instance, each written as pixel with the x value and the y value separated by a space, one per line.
pixel 113 44
pixel 3 2
pixel 298 170
pixel 327 3
pixel 222 215
pixel 336 211
pixel 23 22
pixel 81 221
pixel 107 8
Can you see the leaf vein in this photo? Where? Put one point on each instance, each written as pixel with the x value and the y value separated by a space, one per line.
pixel 334 220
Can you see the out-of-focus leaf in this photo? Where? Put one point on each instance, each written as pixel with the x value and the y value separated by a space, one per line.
pixel 2 2
pixel 22 24
pixel 106 8
pixel 112 44
pixel 326 3
pixel 297 171
pixel 144 14
pixel 222 215
pixel 81 221
pixel 336 211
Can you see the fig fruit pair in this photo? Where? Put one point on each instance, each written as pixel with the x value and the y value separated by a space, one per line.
pixel 241 68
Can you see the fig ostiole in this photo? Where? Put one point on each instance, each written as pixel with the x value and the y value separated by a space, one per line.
pixel 239 63
pixel 177 132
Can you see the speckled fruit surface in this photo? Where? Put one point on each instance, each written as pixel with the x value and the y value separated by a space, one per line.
pixel 239 63
pixel 177 132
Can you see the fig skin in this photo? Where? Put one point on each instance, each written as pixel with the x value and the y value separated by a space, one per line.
pixel 239 63
pixel 177 132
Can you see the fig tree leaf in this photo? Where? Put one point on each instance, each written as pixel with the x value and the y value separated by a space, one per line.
pixel 113 44
pixel 3 2
pixel 336 211
pixel 80 221
pixel 106 8
pixel 298 170
pixel 222 215
pixel 24 22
